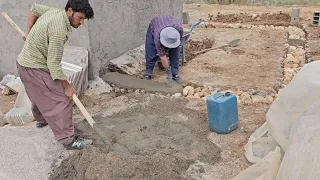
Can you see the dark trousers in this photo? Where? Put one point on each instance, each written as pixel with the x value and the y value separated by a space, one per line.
pixel 152 56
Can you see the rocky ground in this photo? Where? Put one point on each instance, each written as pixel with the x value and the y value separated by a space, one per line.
pixel 166 136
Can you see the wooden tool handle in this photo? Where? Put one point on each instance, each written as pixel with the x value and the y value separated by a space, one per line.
pixel 12 23
pixel 83 110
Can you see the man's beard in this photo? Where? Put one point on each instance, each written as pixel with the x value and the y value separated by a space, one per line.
pixel 71 20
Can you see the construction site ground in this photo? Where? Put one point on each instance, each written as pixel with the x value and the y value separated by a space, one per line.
pixel 166 136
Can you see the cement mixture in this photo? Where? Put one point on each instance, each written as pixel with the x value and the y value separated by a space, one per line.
pixel 157 138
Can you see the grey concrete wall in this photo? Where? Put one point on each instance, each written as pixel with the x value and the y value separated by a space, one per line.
pixel 118 26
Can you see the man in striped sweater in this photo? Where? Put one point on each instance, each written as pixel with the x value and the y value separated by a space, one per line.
pixel 40 70
pixel 164 36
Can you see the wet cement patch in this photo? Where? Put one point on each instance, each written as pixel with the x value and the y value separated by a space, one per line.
pixel 156 138
pixel 126 81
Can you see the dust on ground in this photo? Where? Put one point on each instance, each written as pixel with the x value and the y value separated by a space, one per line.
pixel 155 138
pixel 159 137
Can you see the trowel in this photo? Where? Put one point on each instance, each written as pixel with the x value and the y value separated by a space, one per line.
pixel 232 43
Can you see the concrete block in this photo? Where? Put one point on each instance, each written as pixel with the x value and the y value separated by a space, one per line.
pixel 315 18
pixel 295 16
pixel 75 66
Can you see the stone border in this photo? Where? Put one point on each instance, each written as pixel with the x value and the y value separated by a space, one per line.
pixel 293 61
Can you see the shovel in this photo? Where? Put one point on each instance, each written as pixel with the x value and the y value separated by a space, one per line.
pixel 107 139
pixel 230 44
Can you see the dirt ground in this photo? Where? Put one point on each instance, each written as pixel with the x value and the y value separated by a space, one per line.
pixel 7 102
pixel 254 63
pixel 158 137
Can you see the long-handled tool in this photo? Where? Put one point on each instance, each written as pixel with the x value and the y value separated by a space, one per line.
pixel 106 139
pixel 230 44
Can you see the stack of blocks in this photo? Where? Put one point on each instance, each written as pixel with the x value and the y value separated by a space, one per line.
pixel 315 18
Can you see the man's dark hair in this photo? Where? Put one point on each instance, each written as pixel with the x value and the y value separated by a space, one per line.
pixel 81 6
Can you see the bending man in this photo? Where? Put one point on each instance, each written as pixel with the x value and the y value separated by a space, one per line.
pixel 164 36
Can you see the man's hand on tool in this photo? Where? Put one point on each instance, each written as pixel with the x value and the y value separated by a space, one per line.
pixel 164 61
pixel 69 91
pixel 169 73
pixel 24 36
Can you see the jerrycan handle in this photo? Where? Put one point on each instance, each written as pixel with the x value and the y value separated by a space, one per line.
pixel 223 95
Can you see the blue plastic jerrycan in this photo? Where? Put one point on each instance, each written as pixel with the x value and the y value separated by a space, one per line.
pixel 222 111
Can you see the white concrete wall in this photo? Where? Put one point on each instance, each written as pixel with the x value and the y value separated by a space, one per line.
pixel 118 26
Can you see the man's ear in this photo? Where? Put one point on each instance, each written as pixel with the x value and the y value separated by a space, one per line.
pixel 70 11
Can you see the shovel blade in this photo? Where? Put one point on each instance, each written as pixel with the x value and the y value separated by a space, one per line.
pixel 234 42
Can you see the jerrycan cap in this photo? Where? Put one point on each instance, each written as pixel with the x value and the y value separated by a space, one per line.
pixel 227 94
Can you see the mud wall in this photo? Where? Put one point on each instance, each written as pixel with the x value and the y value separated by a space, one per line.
pixel 118 26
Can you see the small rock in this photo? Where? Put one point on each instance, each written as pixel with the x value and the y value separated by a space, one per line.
pixel 287 77
pixel 191 92
pixel 197 96
pixel 129 90
pixel 122 90
pixel 143 91
pixel 238 93
pixel 257 98
pixel 252 91
pixel 185 91
pixel 116 90
pixel 245 98
pixel 197 90
pixel 269 99
pixel 189 88
pixel 168 95
pixel 206 92
pixel 291 49
pixel 204 98
pixel 213 92
pixel 177 95
pixel 290 61
pixel 137 91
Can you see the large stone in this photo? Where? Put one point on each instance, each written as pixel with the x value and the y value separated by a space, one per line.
pixel 131 63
